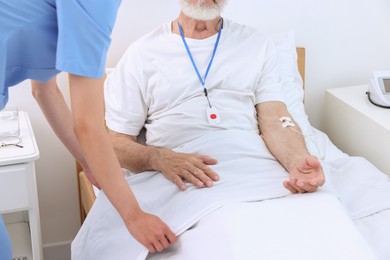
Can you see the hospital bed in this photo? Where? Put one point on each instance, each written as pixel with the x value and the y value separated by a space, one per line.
pixel 360 187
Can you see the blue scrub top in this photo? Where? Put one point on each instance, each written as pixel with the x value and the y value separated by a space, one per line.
pixel 5 242
pixel 40 38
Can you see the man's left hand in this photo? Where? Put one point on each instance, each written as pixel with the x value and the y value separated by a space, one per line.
pixel 307 176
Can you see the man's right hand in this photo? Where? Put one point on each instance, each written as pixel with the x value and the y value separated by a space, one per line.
pixel 193 168
pixel 150 231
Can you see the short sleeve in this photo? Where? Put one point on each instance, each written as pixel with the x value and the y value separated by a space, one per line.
pixel 84 35
pixel 126 110
pixel 269 85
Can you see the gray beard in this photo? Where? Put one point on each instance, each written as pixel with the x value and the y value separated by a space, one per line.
pixel 200 11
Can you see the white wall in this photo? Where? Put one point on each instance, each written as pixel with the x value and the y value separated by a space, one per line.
pixel 345 40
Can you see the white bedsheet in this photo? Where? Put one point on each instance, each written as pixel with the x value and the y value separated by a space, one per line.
pixel 295 227
pixel 376 230
pixel 104 236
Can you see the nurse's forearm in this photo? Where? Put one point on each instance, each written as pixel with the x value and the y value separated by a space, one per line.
pixel 57 113
pixel 88 115
pixel 99 153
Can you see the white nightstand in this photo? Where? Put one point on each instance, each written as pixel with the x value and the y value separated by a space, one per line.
pixel 19 193
pixel 356 126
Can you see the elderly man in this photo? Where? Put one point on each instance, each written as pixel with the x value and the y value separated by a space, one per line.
pixel 207 92
pixel 201 75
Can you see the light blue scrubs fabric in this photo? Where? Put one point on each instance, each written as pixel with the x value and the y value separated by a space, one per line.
pixel 40 38
pixel 5 242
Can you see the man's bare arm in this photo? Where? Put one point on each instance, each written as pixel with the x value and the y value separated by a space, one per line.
pixel 131 154
pixel 175 166
pixel 288 146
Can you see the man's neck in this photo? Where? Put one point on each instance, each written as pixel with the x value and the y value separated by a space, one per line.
pixel 195 29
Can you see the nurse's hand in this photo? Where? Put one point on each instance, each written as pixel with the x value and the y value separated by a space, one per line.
pixel 307 176
pixel 150 231
pixel 193 168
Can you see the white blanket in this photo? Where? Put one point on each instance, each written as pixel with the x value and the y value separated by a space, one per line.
pixel 248 173
pixel 361 187
pixel 312 226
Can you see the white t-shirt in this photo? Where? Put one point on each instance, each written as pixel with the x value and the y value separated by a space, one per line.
pixel 155 85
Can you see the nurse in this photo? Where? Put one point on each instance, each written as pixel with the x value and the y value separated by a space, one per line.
pixel 5 242
pixel 40 38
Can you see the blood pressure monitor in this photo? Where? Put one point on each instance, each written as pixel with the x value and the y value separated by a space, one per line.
pixel 379 89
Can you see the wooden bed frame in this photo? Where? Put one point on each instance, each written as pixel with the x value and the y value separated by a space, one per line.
pixel 85 189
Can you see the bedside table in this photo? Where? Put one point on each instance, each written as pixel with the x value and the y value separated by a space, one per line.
pixel 356 126
pixel 19 195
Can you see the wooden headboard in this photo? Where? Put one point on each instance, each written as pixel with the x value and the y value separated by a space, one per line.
pixel 85 189
pixel 301 62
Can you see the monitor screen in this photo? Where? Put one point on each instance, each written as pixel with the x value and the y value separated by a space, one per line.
pixel 386 83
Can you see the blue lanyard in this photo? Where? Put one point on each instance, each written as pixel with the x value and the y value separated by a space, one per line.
pixel 202 80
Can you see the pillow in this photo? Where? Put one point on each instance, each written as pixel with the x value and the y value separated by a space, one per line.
pixel 292 86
